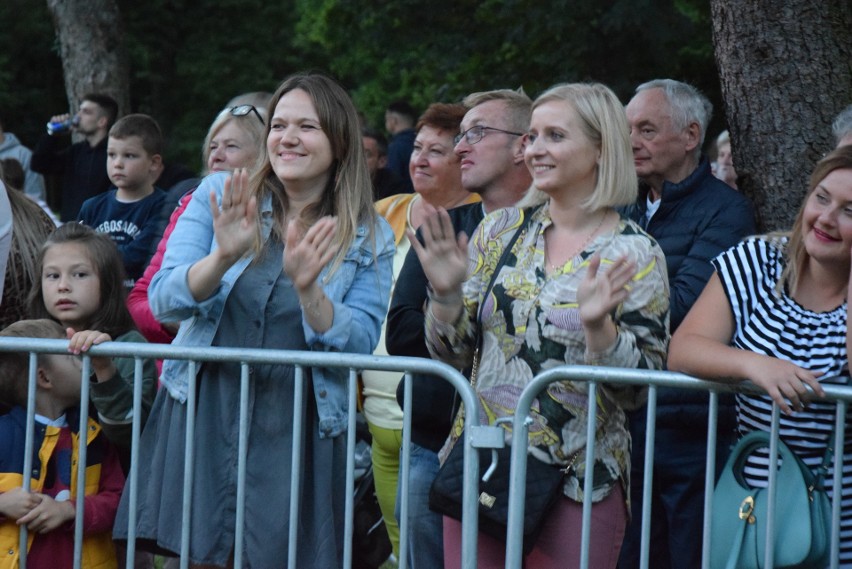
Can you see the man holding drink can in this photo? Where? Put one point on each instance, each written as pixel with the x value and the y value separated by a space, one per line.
pixel 81 165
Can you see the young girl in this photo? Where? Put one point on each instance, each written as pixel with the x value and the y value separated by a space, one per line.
pixel 82 288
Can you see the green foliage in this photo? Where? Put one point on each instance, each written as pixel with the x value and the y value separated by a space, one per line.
pixel 31 84
pixel 189 57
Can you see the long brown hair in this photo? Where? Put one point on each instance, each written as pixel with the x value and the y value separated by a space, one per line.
pixel 113 316
pixel 349 192
pixel 795 252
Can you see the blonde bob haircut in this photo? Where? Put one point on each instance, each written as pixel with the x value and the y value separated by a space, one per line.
pixel 349 192
pixel 603 121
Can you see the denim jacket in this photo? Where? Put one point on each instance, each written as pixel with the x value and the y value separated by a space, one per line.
pixel 359 291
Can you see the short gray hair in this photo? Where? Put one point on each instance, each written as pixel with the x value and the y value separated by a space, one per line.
pixel 842 125
pixel 688 104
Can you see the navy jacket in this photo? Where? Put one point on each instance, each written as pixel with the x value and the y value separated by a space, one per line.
pixel 698 218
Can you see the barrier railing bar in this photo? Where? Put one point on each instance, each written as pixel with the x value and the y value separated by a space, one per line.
pixel 295 462
pixel 242 457
pixel 405 469
pixel 769 555
pixel 348 527
pixel 82 453
pixel 648 478
pixel 588 479
pixel 837 481
pixel 188 461
pixel 29 441
pixel 709 476
pixel 133 474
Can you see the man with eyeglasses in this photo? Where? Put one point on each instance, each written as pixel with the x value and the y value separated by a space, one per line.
pixel 491 148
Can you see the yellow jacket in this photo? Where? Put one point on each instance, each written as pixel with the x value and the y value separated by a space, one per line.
pixel 98 548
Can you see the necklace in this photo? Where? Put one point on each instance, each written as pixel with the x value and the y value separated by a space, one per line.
pixel 555 267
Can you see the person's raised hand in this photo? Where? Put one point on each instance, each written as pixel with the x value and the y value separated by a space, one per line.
pixel 600 292
pixel 442 254
pixel 234 221
pixel 306 253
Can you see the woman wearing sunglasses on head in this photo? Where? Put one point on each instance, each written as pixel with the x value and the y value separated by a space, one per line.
pixel 234 140
pixel 293 257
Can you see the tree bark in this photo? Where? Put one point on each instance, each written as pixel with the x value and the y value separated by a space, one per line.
pixel 785 68
pixel 93 51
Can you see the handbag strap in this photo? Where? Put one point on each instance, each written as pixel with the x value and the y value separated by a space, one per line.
pixel 737 545
pixel 827 459
pixel 527 213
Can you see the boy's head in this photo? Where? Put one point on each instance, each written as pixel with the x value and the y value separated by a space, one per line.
pixel 58 375
pixel 134 154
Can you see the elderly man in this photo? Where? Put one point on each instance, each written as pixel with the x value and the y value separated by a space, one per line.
pixel 694 217
pixel 491 148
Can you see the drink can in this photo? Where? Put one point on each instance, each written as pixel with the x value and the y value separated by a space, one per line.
pixel 61 127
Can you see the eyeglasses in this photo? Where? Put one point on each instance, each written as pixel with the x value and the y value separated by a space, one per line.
pixel 475 133
pixel 243 110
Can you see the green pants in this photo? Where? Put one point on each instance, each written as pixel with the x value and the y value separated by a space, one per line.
pixel 386 445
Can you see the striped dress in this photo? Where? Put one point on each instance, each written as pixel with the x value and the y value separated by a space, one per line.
pixel 776 325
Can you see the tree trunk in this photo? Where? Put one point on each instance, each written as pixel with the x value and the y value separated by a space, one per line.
pixel 785 68
pixel 93 51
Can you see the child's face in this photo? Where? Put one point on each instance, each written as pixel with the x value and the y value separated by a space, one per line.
pixel 65 374
pixel 130 168
pixel 70 285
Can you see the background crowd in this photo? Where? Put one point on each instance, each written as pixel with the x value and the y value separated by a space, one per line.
pixel 504 234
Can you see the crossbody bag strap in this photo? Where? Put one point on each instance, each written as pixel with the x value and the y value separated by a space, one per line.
pixel 527 213
pixel 827 459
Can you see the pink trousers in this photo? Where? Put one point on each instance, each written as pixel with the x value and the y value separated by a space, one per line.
pixel 558 545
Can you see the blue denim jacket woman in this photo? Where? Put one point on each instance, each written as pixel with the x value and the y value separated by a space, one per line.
pixel 359 292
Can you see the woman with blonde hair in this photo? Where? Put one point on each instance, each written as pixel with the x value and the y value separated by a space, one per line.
pixel 579 286
pixel 293 257
pixel 775 313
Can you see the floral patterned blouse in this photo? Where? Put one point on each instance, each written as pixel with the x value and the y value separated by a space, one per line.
pixel 531 323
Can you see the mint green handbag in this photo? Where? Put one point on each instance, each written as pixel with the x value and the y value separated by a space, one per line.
pixel 802 512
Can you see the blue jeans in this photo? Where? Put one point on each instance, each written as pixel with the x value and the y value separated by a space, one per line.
pixel 425 527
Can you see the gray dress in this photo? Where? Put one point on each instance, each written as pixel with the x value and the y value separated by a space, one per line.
pixel 261 311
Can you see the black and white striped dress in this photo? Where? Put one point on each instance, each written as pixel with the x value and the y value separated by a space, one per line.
pixel 775 325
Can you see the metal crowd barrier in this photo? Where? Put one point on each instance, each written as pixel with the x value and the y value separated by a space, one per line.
pixel 654 379
pixel 352 362
pixel 475 436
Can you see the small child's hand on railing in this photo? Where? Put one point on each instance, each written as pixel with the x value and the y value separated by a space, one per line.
pixel 48 515
pixel 17 502
pixel 80 342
